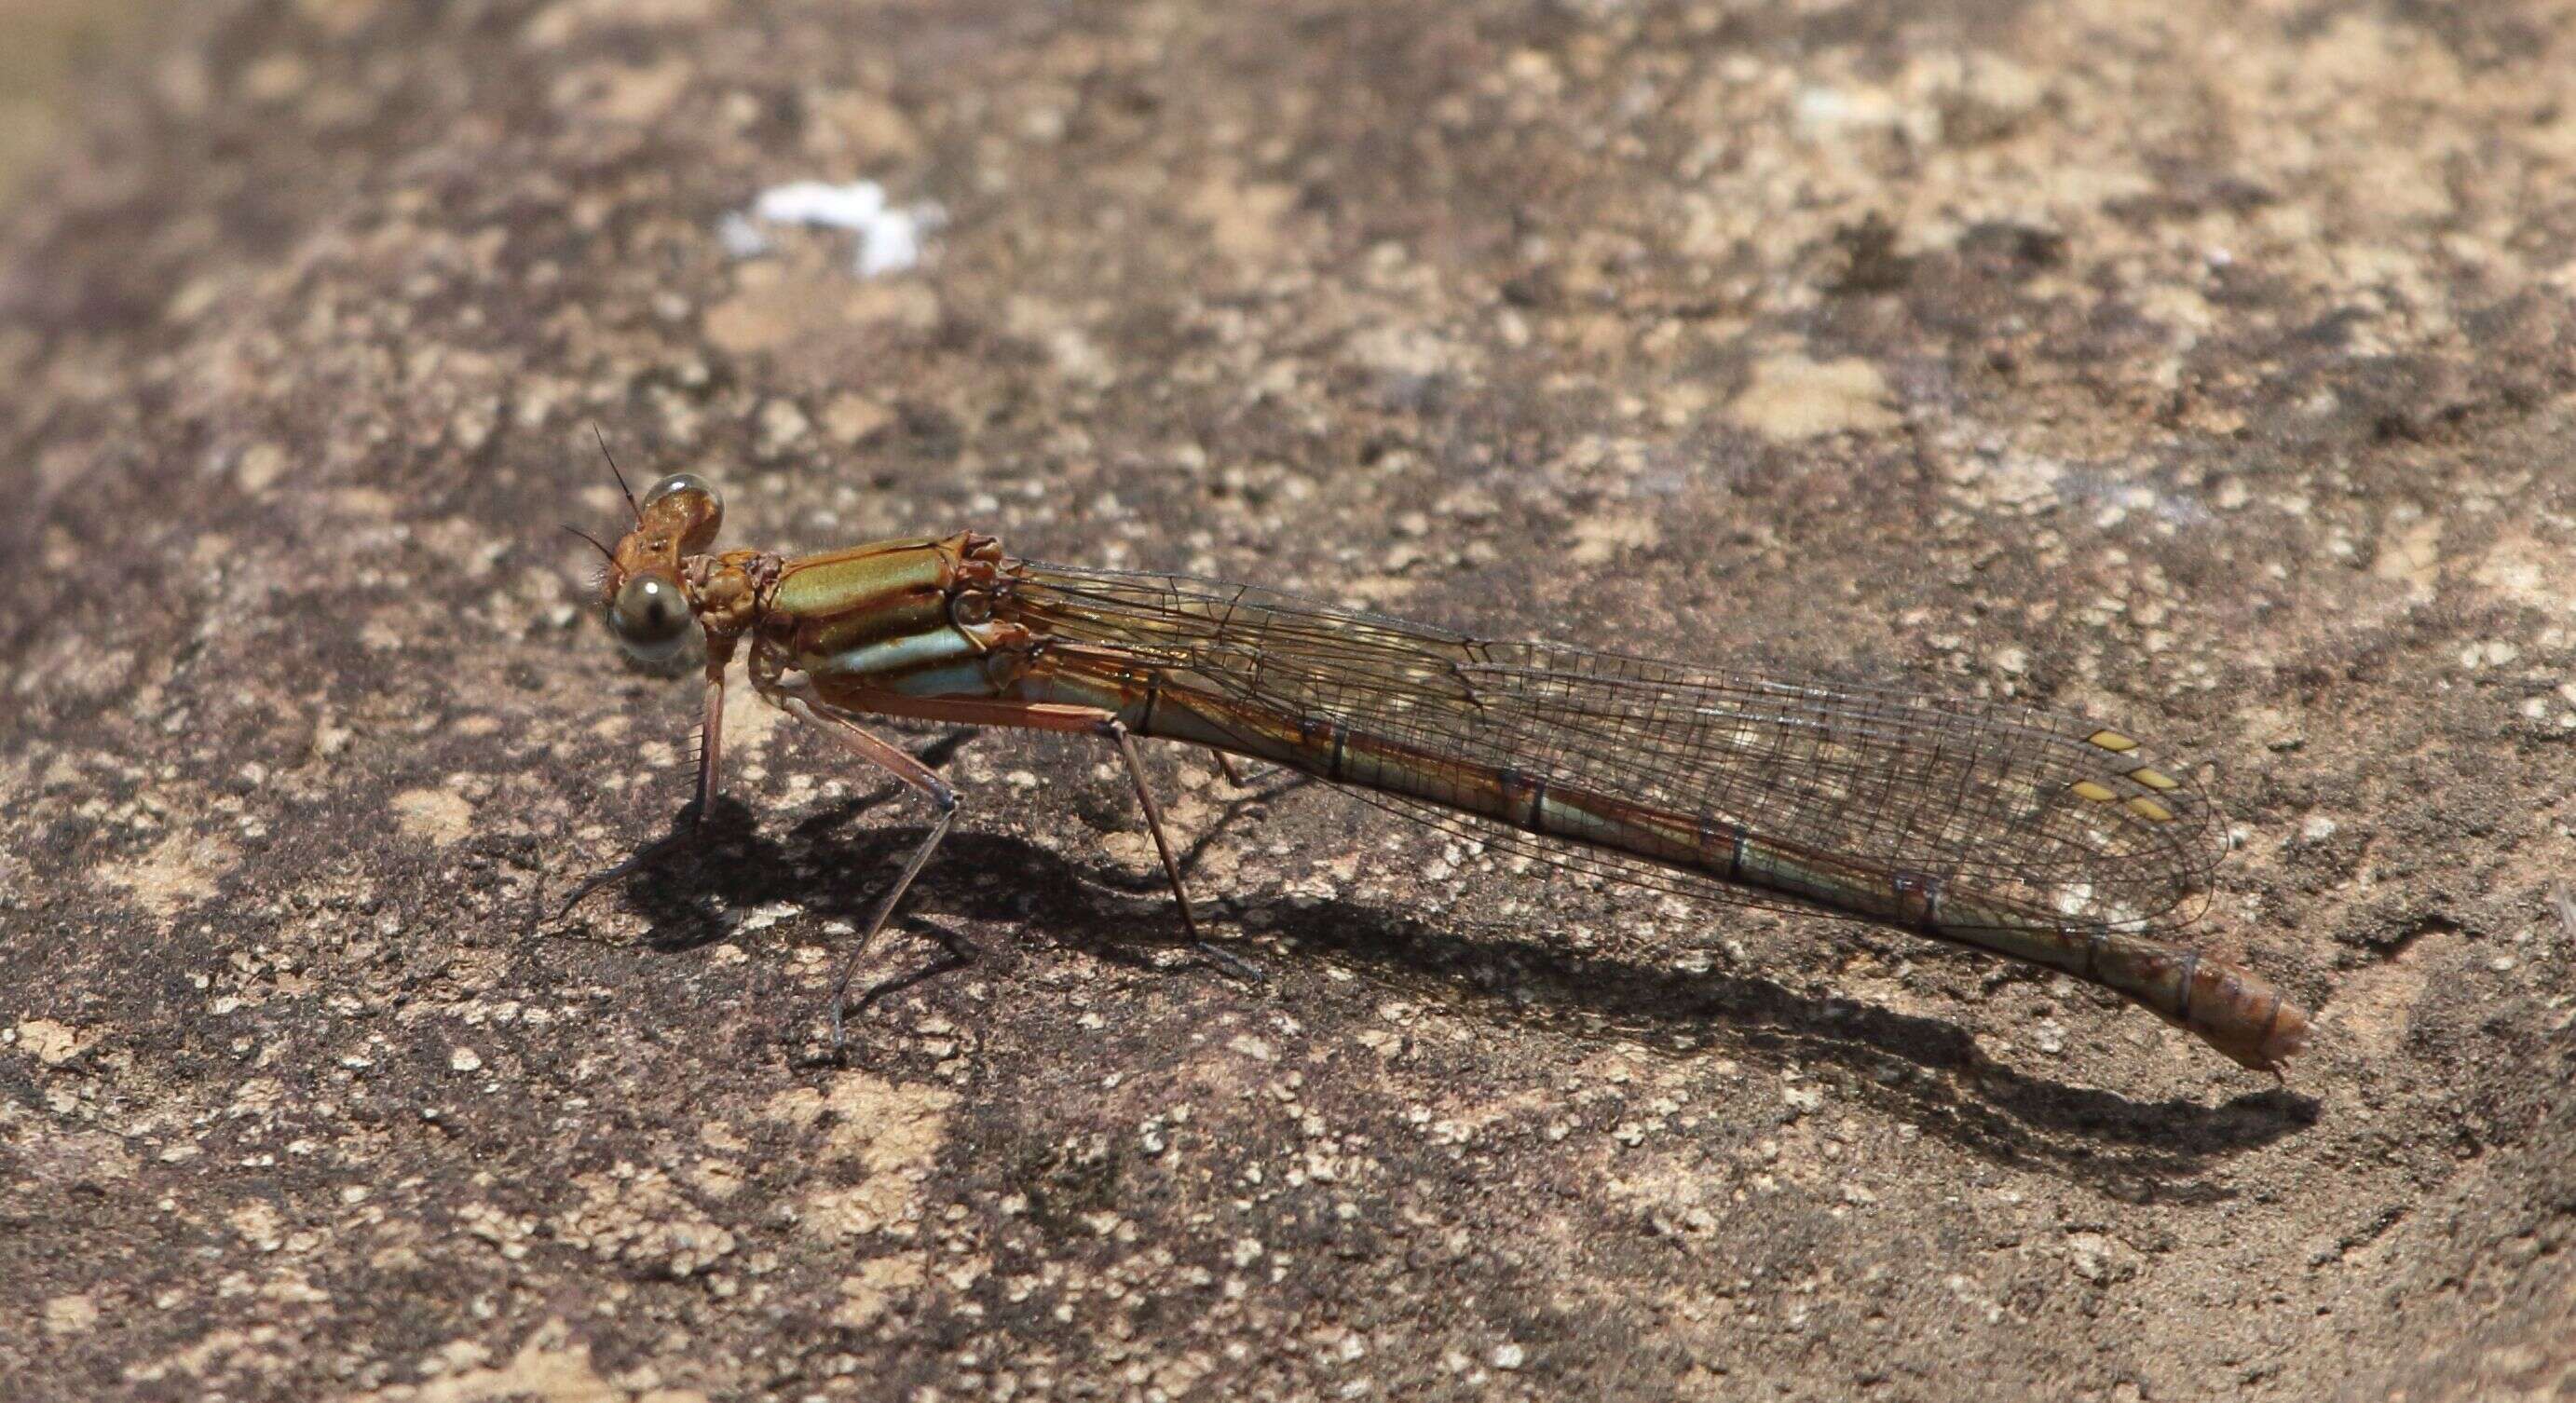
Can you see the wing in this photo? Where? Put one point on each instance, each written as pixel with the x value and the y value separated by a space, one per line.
pixel 2048 812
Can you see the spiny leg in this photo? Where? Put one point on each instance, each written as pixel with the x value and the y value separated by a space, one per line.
pixel 692 820
pixel 1117 732
pixel 710 746
pixel 892 759
pixel 1067 720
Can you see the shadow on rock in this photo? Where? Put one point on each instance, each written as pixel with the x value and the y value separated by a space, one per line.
pixel 1925 1070
pixel 1922 1070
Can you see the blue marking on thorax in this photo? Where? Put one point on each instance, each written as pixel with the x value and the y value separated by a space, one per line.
pixel 890 662
pixel 966 679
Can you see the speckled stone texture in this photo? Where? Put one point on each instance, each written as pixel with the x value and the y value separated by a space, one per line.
pixel 2206 367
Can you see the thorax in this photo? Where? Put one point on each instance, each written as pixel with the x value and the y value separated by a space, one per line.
pixel 912 615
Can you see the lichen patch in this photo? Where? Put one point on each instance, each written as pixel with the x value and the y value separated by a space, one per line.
pixel 439 815
pixel 866 1294
pixel 640 1217
pixel 551 1366
pixel 1791 398
pixel 49 1042
pixel 892 1133
pixel 179 872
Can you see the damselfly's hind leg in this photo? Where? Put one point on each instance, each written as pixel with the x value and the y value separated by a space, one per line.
pixel 891 758
pixel 1233 776
pixel 1117 733
pixel 1035 716
pixel 685 830
pixel 1225 767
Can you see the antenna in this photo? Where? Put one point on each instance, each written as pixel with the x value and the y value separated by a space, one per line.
pixel 594 543
pixel 621 477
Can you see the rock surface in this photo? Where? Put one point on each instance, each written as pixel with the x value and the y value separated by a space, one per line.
pixel 2208 367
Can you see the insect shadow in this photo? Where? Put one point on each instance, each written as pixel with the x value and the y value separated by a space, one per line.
pixel 1923 1070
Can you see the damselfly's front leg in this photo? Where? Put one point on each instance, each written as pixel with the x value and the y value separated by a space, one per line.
pixel 692 819
pixel 892 759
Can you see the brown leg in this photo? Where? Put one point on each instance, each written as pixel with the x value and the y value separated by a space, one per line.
pixel 892 759
pixel 710 745
pixel 1117 732
pixel 1126 743
pixel 1235 775
pixel 1225 766
pixel 1050 716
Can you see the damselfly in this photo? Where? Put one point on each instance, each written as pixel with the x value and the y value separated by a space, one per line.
pixel 2012 831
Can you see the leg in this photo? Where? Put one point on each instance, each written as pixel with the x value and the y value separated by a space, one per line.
pixel 1225 766
pixel 710 745
pixel 1117 733
pixel 1234 776
pixel 891 759
pixel 694 817
pixel 1052 716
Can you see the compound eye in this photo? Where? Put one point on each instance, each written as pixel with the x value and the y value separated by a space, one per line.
pixel 683 482
pixel 650 617
pixel 697 526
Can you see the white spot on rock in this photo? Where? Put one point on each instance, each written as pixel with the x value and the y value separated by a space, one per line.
pixel 889 236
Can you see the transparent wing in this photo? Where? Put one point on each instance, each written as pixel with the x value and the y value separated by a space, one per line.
pixel 2045 812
